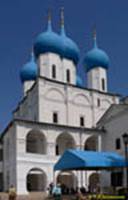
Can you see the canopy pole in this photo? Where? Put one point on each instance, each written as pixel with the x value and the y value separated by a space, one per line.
pixel 81 173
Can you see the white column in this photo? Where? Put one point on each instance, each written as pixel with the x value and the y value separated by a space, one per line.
pixel 21 183
pixel 99 143
pixel 51 148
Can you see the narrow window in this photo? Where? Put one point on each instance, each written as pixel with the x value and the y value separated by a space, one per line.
pixel 81 121
pixel 98 102
pixel 103 84
pixel 118 145
pixel 53 71
pixel 1 154
pixel 55 117
pixel 68 75
pixel 57 149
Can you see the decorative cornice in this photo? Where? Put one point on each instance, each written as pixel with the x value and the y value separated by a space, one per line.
pixel 52 125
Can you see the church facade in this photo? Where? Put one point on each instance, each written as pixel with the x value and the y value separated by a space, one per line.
pixel 56 113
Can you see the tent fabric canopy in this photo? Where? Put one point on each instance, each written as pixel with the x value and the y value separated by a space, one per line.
pixel 89 160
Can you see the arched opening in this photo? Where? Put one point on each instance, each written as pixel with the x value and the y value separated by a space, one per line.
pixel 91 144
pixel 68 181
pixel 94 182
pixel 36 180
pixel 63 142
pixel 35 142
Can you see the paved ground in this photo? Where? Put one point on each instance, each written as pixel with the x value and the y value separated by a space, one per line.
pixel 30 196
pixel 34 196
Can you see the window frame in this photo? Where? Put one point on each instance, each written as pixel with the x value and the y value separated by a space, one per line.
pixel 103 84
pixel 118 144
pixel 98 102
pixel 68 76
pixel 82 120
pixel 54 71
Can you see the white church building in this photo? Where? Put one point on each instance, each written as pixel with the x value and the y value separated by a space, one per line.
pixel 56 113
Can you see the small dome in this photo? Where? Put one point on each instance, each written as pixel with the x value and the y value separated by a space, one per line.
pixel 48 41
pixel 96 58
pixel 70 49
pixel 29 71
pixel 79 81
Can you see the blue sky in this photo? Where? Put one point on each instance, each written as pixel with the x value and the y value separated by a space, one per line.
pixel 22 21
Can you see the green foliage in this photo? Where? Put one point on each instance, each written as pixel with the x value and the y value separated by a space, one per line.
pixel 105 197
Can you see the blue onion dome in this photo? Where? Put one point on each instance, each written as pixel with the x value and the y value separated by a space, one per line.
pixel 29 70
pixel 79 81
pixel 48 41
pixel 96 58
pixel 70 48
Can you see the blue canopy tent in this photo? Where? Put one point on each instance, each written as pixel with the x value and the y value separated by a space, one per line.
pixel 89 160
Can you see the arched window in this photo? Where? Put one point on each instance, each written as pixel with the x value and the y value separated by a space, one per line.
pixel 68 75
pixel 94 180
pixel 53 71
pixel 91 144
pixel 63 142
pixel 36 180
pixel 67 178
pixel 36 142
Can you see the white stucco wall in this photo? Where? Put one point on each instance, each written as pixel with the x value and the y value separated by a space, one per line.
pixel 27 86
pixel 69 65
pixel 94 78
pixel 71 102
pixel 9 153
pixel 45 62
pixel 115 124
pixel 28 107
pixel 27 161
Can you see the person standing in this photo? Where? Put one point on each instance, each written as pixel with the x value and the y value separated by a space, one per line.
pixel 56 192
pixel 51 185
pixel 12 193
